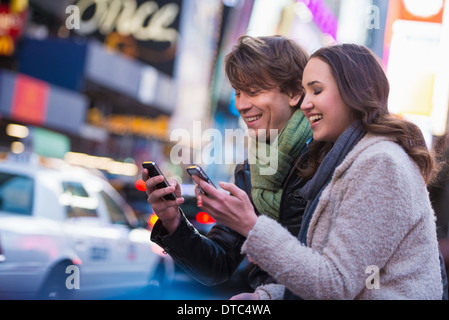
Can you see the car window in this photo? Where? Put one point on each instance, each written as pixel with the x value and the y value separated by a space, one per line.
pixel 16 193
pixel 77 201
pixel 114 210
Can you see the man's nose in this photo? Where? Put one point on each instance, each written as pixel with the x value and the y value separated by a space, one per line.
pixel 243 103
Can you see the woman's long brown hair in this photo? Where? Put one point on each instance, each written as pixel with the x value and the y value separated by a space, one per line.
pixel 364 88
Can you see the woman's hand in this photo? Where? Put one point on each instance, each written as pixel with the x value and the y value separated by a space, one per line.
pixel 233 210
pixel 167 211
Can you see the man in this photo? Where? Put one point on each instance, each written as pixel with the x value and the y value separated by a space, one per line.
pixel 266 74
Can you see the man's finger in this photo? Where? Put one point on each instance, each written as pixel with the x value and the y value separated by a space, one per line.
pixel 145 174
pixel 159 193
pixel 152 182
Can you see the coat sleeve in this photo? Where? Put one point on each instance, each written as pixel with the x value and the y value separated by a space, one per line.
pixel 369 218
pixel 210 259
pixel 272 291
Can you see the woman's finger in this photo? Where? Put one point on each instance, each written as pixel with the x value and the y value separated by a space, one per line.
pixel 206 187
pixel 233 189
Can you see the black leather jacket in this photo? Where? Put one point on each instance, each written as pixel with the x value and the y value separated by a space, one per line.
pixel 213 259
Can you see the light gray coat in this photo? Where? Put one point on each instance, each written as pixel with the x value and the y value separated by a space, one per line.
pixel 375 214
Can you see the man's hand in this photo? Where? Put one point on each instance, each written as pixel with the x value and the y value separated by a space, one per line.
pixel 167 211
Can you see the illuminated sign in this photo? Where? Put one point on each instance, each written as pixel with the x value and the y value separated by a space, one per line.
pixel 416 48
pixel 30 100
pixel 50 144
pixel 128 124
pixel 418 10
pixel 146 30
pixel 413 10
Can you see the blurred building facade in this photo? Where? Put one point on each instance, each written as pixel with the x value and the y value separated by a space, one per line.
pixel 115 78
pixel 102 75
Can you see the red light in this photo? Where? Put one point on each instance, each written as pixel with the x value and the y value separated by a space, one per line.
pixel 140 185
pixel 204 218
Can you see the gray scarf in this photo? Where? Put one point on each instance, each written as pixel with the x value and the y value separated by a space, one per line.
pixel 312 189
pixel 347 140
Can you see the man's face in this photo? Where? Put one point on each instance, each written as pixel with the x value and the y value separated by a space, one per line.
pixel 265 109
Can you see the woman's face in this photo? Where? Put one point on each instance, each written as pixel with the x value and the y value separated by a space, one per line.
pixel 265 109
pixel 329 116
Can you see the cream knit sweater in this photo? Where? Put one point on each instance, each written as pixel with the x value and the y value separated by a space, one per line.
pixel 375 214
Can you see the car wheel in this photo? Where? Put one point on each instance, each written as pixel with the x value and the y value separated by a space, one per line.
pixel 54 287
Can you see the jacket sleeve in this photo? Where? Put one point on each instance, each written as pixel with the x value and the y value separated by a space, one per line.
pixel 210 259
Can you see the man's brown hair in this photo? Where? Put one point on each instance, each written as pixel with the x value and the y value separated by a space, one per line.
pixel 265 63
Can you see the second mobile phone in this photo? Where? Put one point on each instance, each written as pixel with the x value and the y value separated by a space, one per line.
pixel 198 171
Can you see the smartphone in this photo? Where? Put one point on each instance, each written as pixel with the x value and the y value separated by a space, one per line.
pixel 153 170
pixel 198 171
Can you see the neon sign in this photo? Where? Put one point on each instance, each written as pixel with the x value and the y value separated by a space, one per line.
pixel 146 30
pixel 323 16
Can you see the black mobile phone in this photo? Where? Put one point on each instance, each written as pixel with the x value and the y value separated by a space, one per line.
pixel 153 170
pixel 198 171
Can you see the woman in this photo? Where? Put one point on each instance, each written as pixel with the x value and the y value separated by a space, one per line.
pixel 266 74
pixel 368 208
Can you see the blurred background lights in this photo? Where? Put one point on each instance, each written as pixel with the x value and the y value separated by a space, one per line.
pixel 140 185
pixel 303 12
pixel 17 131
pixel 101 163
pixel 17 147
pixel 231 3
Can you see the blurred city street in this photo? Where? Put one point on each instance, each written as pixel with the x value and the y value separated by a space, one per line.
pixel 90 89
pixel 183 288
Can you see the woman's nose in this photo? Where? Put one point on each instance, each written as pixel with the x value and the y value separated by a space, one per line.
pixel 306 104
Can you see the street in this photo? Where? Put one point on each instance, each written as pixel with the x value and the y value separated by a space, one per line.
pixel 189 290
pixel 183 287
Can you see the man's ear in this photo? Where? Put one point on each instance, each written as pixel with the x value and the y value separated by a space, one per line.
pixel 296 100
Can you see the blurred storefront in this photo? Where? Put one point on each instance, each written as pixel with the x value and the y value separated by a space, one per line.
pixel 106 74
pixel 118 77
pixel 410 37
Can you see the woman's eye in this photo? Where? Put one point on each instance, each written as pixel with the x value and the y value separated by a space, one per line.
pixel 317 92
